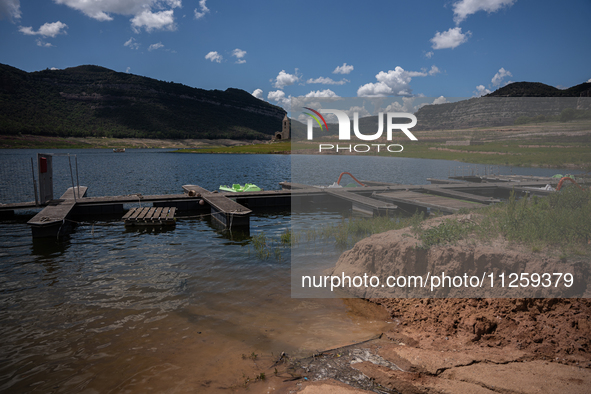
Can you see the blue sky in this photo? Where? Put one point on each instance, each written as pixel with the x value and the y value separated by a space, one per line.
pixel 277 49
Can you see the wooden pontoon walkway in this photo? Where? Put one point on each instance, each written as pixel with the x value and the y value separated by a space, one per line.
pixel 363 204
pixel 228 212
pixel 52 220
pixel 233 210
pixel 429 201
pixel 161 216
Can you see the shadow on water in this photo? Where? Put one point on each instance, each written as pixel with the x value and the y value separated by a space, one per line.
pixel 237 236
pixel 49 247
pixel 153 230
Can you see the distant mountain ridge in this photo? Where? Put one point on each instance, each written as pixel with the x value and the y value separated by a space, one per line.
pixel 538 89
pixel 96 101
pixel 503 107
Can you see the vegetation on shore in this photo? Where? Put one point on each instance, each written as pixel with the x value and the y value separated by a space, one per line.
pixel 285 147
pixel 559 224
pixel 548 144
pixel 526 153
pixel 26 141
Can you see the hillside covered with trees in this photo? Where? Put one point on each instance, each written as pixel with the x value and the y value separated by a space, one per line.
pixel 93 101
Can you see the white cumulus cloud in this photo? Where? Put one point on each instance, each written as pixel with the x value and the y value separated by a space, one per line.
pixel 589 80
pixel 147 14
pixel 278 96
pixel 321 93
pixel 481 90
pixel 214 57
pixel 46 30
pixel 161 20
pixel 284 79
pixel 362 111
pixel 100 9
pixel 464 8
pixel 429 54
pixel 394 82
pixel 127 70
pixel 440 100
pixel 327 81
pixel 344 69
pixel 157 45
pixel 406 106
pixel 10 9
pixel 41 43
pixel 239 55
pixel 202 10
pixel 131 43
pixel 499 76
pixel 433 71
pixel 258 93
pixel 450 38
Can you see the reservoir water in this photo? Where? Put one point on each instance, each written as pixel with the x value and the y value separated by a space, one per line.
pixel 187 309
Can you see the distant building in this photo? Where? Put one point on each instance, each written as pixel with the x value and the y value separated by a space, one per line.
pixel 285 129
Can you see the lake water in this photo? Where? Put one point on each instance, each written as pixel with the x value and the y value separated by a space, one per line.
pixel 110 310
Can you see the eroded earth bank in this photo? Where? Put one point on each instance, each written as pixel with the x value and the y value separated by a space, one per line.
pixel 536 343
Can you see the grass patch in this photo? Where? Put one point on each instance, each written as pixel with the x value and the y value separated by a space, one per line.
pixel 265 247
pixel 562 219
pixel 448 232
pixel 277 147
pixel 559 223
pixel 349 231
pixel 511 153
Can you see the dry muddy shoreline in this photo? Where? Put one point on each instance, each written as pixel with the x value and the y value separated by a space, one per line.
pixel 454 344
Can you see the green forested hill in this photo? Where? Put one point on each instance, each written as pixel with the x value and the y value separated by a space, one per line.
pixel 90 100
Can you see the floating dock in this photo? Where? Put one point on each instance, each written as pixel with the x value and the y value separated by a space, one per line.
pixel 161 216
pixel 362 204
pixel 223 209
pixel 53 220
pixel 426 200
pixel 233 210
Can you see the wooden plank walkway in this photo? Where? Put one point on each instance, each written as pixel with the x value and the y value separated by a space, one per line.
pixel 374 183
pixel 291 186
pixel 506 178
pixel 436 181
pixel 155 216
pixel 444 204
pixel 435 189
pixel 226 211
pixel 132 198
pixel 526 189
pixel 52 219
pixel 363 204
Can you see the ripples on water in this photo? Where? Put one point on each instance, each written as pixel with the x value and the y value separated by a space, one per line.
pixel 116 310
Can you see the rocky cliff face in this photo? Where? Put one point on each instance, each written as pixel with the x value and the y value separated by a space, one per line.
pixel 493 111
pixel 503 106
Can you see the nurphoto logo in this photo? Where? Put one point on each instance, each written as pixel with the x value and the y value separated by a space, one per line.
pixel 344 122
